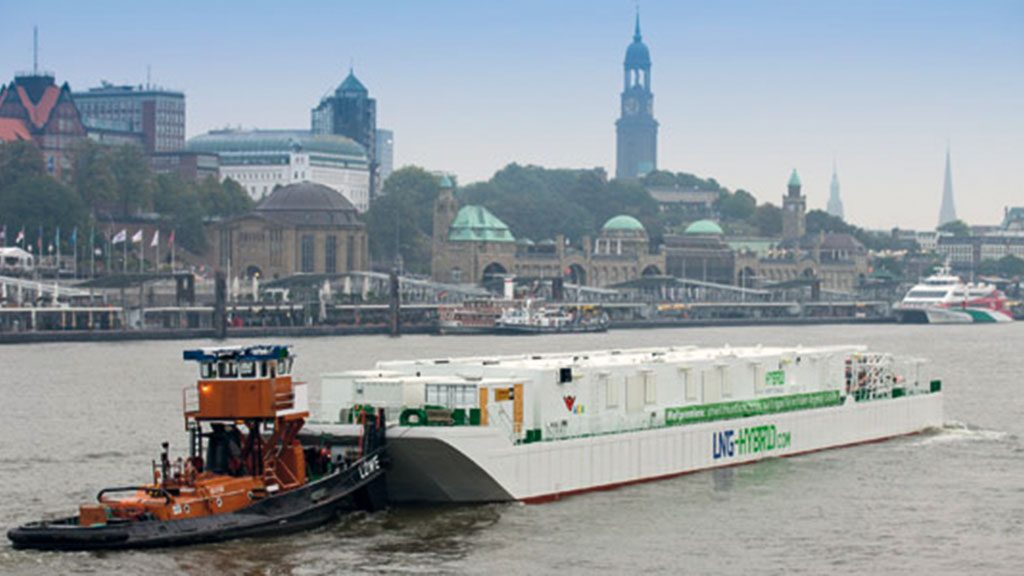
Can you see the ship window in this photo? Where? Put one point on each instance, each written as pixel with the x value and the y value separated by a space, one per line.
pixel 247 369
pixel 564 375
pixel 263 369
pixel 206 370
pixel 227 369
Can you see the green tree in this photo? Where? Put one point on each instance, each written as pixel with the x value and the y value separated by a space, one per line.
pixel 767 219
pixel 92 174
pixel 739 205
pixel 18 161
pixel 133 178
pixel 400 221
pixel 957 228
pixel 41 201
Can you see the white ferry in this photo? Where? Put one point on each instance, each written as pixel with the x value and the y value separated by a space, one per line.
pixel 534 428
pixel 529 317
pixel 944 298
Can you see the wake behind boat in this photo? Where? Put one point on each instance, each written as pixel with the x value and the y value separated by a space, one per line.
pixel 255 479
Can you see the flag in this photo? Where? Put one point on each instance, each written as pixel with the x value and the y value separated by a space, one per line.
pixel 170 239
pixel 156 239
pixel 56 237
pixel 20 237
pixel 39 242
pixel 74 235
pixel 3 235
pixel 137 237
pixel 120 237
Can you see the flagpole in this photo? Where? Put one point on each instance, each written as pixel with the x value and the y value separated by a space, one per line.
pixel 92 251
pixel 172 251
pixel 124 263
pixel 110 256
pixel 57 241
pixel 142 252
pixel 157 238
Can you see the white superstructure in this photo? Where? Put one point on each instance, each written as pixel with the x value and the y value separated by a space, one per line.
pixel 536 427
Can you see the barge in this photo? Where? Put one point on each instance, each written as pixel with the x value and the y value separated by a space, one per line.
pixel 534 428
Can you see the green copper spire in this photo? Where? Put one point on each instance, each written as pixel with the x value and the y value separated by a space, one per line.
pixel 636 32
pixel 794 179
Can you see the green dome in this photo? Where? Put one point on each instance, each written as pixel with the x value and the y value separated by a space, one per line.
pixel 477 224
pixel 704 227
pixel 623 222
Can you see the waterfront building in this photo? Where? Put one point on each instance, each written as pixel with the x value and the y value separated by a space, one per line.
pixel 835 203
pixel 262 160
pixel 636 129
pixel 1013 219
pixel 471 244
pixel 700 253
pixel 948 211
pixel 349 111
pixel 965 252
pixel 690 203
pixel 154 116
pixel 837 262
pixel 385 153
pixel 193 166
pixel 34 106
pixel 299 228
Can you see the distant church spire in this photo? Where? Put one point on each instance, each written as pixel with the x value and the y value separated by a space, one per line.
pixel 636 31
pixel 835 204
pixel 948 211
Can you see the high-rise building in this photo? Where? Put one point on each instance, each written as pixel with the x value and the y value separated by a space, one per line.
pixel 349 111
pixel 385 153
pixel 948 211
pixel 34 106
pixel 155 115
pixel 636 129
pixel 835 203
pixel 794 210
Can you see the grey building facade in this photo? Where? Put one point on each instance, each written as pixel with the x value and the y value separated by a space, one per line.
pixel 155 115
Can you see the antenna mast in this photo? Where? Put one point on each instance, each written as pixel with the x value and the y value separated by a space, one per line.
pixel 35 50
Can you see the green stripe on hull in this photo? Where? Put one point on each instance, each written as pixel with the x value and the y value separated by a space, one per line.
pixel 747 408
pixel 980 316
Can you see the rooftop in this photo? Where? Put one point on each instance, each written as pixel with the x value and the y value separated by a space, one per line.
pixel 275 141
pixel 623 222
pixel 708 227
pixel 477 224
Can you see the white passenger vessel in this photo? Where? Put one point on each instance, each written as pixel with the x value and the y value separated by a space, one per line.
pixel 537 427
pixel 944 298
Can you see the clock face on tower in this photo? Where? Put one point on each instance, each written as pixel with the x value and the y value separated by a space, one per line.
pixel 631 106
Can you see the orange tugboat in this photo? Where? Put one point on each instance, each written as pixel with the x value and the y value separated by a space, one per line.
pixel 256 478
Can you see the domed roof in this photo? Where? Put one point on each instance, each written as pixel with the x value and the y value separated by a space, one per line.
pixel 308 204
pixel 305 196
pixel 478 224
pixel 704 227
pixel 623 222
pixel 637 54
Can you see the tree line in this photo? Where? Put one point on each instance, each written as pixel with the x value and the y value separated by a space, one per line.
pixel 107 184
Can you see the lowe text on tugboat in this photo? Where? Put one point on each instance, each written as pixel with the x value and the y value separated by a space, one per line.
pixel 255 478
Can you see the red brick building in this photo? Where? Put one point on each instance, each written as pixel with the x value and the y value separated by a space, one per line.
pixel 33 104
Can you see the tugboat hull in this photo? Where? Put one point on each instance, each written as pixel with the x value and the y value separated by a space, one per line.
pixel 309 506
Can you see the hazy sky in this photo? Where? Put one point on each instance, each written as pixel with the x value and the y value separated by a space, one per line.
pixel 744 90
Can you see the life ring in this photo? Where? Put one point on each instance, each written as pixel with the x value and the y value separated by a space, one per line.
pixel 187 509
pixel 219 502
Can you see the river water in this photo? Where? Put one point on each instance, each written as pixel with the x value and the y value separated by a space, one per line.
pixel 78 417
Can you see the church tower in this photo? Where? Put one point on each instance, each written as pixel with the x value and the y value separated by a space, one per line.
pixel 636 129
pixel 835 203
pixel 794 210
